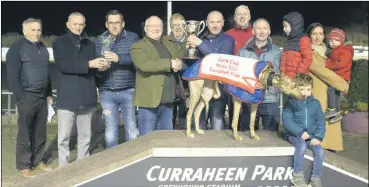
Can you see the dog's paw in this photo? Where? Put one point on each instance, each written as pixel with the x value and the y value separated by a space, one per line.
pixel 190 135
pixel 200 131
pixel 238 138
pixel 255 137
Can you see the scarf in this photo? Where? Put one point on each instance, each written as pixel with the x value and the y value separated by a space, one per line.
pixel 321 50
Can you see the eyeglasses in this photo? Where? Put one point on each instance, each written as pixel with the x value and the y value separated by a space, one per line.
pixel 114 23
pixel 175 25
pixel 155 26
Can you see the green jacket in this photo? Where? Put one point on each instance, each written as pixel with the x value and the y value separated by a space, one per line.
pixel 150 70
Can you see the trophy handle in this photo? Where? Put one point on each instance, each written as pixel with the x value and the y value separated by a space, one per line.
pixel 183 22
pixel 203 27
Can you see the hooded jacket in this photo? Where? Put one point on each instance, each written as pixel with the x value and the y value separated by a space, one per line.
pixel 340 61
pixel 297 52
pixel 301 116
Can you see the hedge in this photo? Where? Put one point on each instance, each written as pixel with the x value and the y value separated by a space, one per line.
pixel 358 91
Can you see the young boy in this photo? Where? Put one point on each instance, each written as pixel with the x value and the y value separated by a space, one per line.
pixel 305 125
pixel 297 54
pixel 339 61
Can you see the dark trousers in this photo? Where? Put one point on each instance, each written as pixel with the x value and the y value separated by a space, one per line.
pixel 268 112
pixel 334 99
pixel 182 113
pixel 31 131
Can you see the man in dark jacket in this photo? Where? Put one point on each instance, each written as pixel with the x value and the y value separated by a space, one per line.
pixel 214 41
pixel 76 65
pixel 27 65
pixel 117 83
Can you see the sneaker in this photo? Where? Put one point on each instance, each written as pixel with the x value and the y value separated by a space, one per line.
pixel 27 173
pixel 335 118
pixel 42 166
pixel 330 113
pixel 298 180
pixel 315 182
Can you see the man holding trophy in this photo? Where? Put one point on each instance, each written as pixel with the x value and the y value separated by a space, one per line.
pixel 116 81
pixel 214 40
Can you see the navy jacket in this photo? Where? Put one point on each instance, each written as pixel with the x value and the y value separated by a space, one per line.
pixel 27 66
pixel 220 44
pixel 121 75
pixel 301 116
pixel 76 86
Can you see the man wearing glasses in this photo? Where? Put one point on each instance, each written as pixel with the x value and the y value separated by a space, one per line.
pixel 156 58
pixel 117 83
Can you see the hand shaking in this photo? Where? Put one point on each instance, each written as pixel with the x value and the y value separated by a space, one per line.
pixel 99 63
pixel 176 64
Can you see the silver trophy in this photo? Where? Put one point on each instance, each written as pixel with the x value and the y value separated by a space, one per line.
pixel 192 27
pixel 106 46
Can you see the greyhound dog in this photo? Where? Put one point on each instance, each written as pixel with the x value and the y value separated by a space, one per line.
pixel 203 90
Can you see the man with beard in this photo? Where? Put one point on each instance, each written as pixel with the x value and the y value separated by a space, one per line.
pixel 214 40
pixel 260 47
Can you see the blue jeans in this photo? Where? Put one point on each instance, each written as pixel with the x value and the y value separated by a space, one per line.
pixel 111 101
pixel 216 114
pixel 151 119
pixel 298 158
pixel 268 112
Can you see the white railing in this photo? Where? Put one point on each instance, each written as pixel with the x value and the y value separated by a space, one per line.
pixel 359 52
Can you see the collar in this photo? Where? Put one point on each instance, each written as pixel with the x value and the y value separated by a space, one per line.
pixel 77 37
pixel 210 36
pixel 122 34
pixel 34 43
pixel 243 30
pixel 155 41
pixel 252 44
pixel 180 40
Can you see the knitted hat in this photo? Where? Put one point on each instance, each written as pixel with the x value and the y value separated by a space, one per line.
pixel 337 34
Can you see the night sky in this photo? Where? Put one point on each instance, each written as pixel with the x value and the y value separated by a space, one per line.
pixel 54 14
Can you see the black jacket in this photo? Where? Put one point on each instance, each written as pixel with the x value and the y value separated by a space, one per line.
pixel 76 87
pixel 27 66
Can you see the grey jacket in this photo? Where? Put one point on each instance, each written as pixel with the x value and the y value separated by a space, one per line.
pixel 271 53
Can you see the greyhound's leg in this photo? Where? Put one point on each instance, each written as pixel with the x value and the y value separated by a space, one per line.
pixel 197 114
pixel 254 108
pixel 236 114
pixel 194 99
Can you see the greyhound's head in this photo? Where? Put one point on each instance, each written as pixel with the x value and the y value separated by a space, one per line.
pixel 287 86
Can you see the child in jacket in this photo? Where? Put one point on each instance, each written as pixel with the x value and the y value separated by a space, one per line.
pixel 305 125
pixel 297 52
pixel 339 61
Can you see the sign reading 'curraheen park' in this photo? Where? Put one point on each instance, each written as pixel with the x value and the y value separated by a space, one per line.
pixel 242 171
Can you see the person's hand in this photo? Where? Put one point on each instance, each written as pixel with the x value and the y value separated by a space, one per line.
pixel 98 63
pixel 102 69
pixel 176 64
pixel 111 56
pixel 193 40
pixel 314 142
pixel 305 136
pixel 49 100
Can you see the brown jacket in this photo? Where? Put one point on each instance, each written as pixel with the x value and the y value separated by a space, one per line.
pixel 151 69
pixel 321 77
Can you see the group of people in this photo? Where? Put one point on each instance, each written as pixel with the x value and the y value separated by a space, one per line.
pixel 146 73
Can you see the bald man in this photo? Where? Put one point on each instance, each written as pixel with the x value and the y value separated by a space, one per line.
pixel 214 40
pixel 157 60
pixel 260 47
